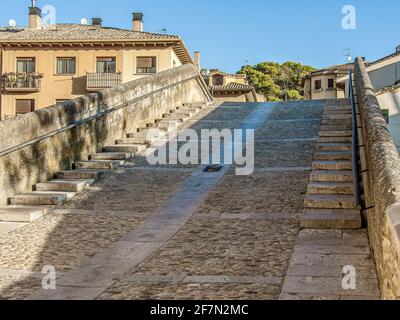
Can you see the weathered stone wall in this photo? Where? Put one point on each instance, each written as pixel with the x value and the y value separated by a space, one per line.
pixel 35 146
pixel 382 190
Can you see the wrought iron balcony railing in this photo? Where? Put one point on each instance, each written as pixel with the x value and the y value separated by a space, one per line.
pixel 21 81
pixel 97 81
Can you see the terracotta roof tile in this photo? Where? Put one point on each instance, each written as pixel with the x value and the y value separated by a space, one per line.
pixel 78 32
pixel 232 87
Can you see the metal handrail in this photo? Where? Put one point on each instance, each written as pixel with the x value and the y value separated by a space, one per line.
pixel 356 171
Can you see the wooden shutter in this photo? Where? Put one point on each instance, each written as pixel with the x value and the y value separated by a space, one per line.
pixel 24 106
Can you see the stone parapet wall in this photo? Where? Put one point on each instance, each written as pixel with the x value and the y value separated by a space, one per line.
pixel 35 146
pixel 382 188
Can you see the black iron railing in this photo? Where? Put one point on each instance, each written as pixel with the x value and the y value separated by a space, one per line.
pixel 21 81
pixel 356 170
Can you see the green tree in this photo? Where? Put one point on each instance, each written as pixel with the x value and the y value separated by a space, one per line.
pixel 276 81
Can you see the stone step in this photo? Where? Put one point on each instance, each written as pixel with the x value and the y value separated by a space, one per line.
pixel 332 176
pixel 180 114
pixel 338 113
pixel 23 213
pixel 111 156
pixel 167 125
pixel 335 140
pixel 129 148
pixel 323 201
pixel 65 185
pixel 335 147
pixel 146 136
pixel 332 165
pixel 333 155
pixel 334 122
pixel 41 198
pixel 98 164
pixel 345 188
pixel 133 140
pixel 175 118
pixel 338 108
pixel 201 105
pixel 331 219
pixel 80 174
pixel 336 116
pixel 336 133
pixel 336 127
pixel 193 109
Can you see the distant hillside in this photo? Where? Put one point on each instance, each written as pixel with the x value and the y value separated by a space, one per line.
pixel 276 81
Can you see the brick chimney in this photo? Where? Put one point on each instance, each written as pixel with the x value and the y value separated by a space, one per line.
pixel 197 60
pixel 137 21
pixel 97 22
pixel 35 17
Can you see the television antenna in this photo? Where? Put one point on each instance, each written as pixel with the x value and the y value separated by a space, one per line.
pixel 163 30
pixel 348 55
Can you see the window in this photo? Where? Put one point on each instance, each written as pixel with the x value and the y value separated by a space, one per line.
pixel 66 65
pixel 218 80
pixel 331 83
pixel 26 65
pixel 106 65
pixel 23 106
pixel 318 85
pixel 146 65
pixel 386 115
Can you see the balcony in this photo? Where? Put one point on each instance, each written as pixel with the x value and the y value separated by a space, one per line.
pixel 98 81
pixel 21 82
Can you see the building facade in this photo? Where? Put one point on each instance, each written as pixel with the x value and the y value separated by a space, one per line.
pixel 43 65
pixel 385 78
pixel 322 84
pixel 230 87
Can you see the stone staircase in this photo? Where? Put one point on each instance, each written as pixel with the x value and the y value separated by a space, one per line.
pixel 33 205
pixel 330 200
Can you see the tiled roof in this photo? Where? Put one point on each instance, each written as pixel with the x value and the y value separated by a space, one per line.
pixel 89 34
pixel 79 32
pixel 340 68
pixel 232 87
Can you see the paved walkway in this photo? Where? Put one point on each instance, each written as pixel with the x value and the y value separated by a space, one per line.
pixel 176 232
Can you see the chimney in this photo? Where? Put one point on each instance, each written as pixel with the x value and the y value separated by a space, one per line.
pixel 96 22
pixel 35 17
pixel 197 59
pixel 138 21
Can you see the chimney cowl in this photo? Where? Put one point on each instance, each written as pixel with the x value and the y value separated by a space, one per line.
pixel 97 22
pixel 137 16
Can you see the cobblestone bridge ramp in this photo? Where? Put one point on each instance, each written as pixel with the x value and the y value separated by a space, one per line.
pixel 177 232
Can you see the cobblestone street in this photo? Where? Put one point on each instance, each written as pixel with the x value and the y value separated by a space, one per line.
pixel 175 232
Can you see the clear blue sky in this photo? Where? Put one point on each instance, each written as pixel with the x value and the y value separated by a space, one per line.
pixel 229 32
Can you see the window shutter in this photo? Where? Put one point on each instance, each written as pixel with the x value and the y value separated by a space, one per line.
pixel 24 106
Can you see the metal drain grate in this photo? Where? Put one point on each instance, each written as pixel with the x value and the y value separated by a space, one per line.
pixel 214 168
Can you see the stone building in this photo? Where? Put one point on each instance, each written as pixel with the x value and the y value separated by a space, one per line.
pixel 41 65
pixel 230 87
pixel 385 78
pixel 322 84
